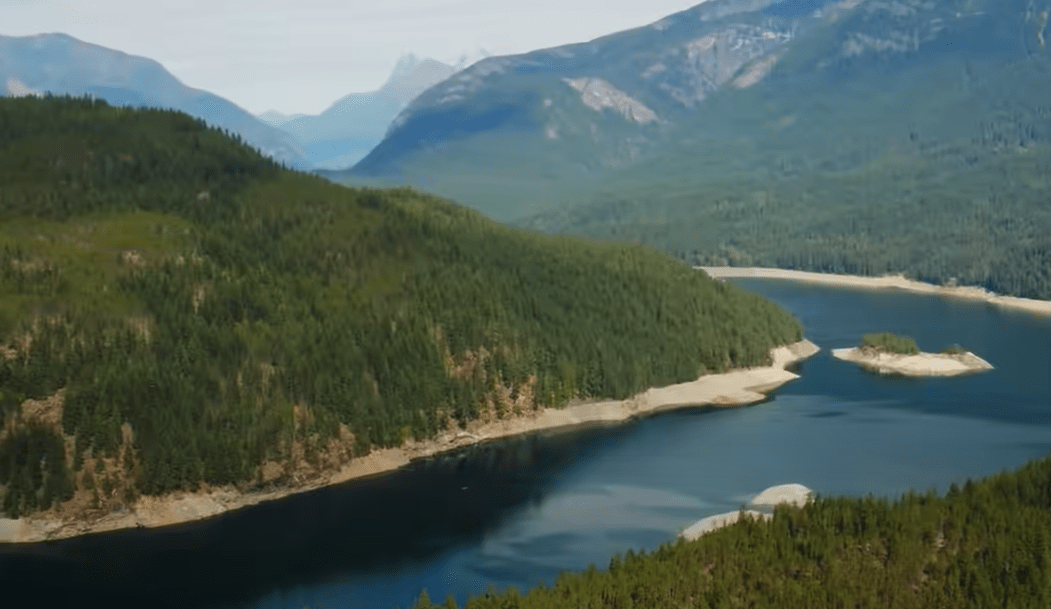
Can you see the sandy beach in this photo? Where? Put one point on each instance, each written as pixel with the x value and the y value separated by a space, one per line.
pixel 788 494
pixel 918 364
pixel 898 282
pixel 735 388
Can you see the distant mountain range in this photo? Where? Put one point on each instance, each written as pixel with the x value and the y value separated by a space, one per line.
pixel 275 118
pixel 347 130
pixel 61 64
pixel 335 139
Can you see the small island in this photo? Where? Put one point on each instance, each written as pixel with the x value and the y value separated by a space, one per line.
pixel 889 353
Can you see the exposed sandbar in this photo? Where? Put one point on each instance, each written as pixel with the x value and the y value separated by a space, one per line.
pixel 899 282
pixel 718 521
pixel 735 388
pixel 789 494
pixel 918 364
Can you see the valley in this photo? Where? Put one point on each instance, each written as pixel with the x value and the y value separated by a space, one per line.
pixel 482 332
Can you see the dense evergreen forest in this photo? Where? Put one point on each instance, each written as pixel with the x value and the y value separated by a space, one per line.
pixel 982 544
pixel 958 215
pixel 176 309
pixel 939 172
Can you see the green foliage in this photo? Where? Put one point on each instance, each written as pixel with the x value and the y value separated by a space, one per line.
pixel 955 350
pixel 891 343
pixel 172 279
pixel 33 470
pixel 987 543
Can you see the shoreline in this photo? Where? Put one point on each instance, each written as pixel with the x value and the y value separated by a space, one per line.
pixel 899 282
pixel 760 508
pixel 735 388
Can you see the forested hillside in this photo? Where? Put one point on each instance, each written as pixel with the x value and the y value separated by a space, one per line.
pixel 178 310
pixel 952 184
pixel 971 217
pixel 985 544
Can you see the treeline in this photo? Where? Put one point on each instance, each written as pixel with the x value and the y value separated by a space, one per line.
pixel 982 544
pixel 888 341
pixel 65 157
pixel 207 311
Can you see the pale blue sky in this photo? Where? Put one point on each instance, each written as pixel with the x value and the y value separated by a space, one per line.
pixel 301 55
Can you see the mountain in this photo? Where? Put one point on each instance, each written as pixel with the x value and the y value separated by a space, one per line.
pixel 61 64
pixel 176 309
pixel 275 118
pixel 901 138
pixel 573 111
pixel 470 58
pixel 855 136
pixel 348 129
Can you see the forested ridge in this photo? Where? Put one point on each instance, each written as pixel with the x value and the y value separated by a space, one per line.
pixel 939 171
pixel 986 543
pixel 956 216
pixel 177 310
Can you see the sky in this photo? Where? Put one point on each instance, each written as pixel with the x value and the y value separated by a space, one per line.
pixel 301 55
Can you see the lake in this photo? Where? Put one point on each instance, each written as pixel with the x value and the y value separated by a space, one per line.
pixel 519 511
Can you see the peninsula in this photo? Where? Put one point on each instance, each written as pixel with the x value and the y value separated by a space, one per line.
pixel 189 327
pixel 892 354
pixel 735 388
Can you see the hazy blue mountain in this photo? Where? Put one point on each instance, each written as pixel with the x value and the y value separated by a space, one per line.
pixel 61 64
pixel 347 130
pixel 275 118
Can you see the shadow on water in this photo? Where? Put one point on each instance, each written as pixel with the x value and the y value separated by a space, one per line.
pixel 373 525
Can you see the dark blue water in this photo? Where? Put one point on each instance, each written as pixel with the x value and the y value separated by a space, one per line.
pixel 517 512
